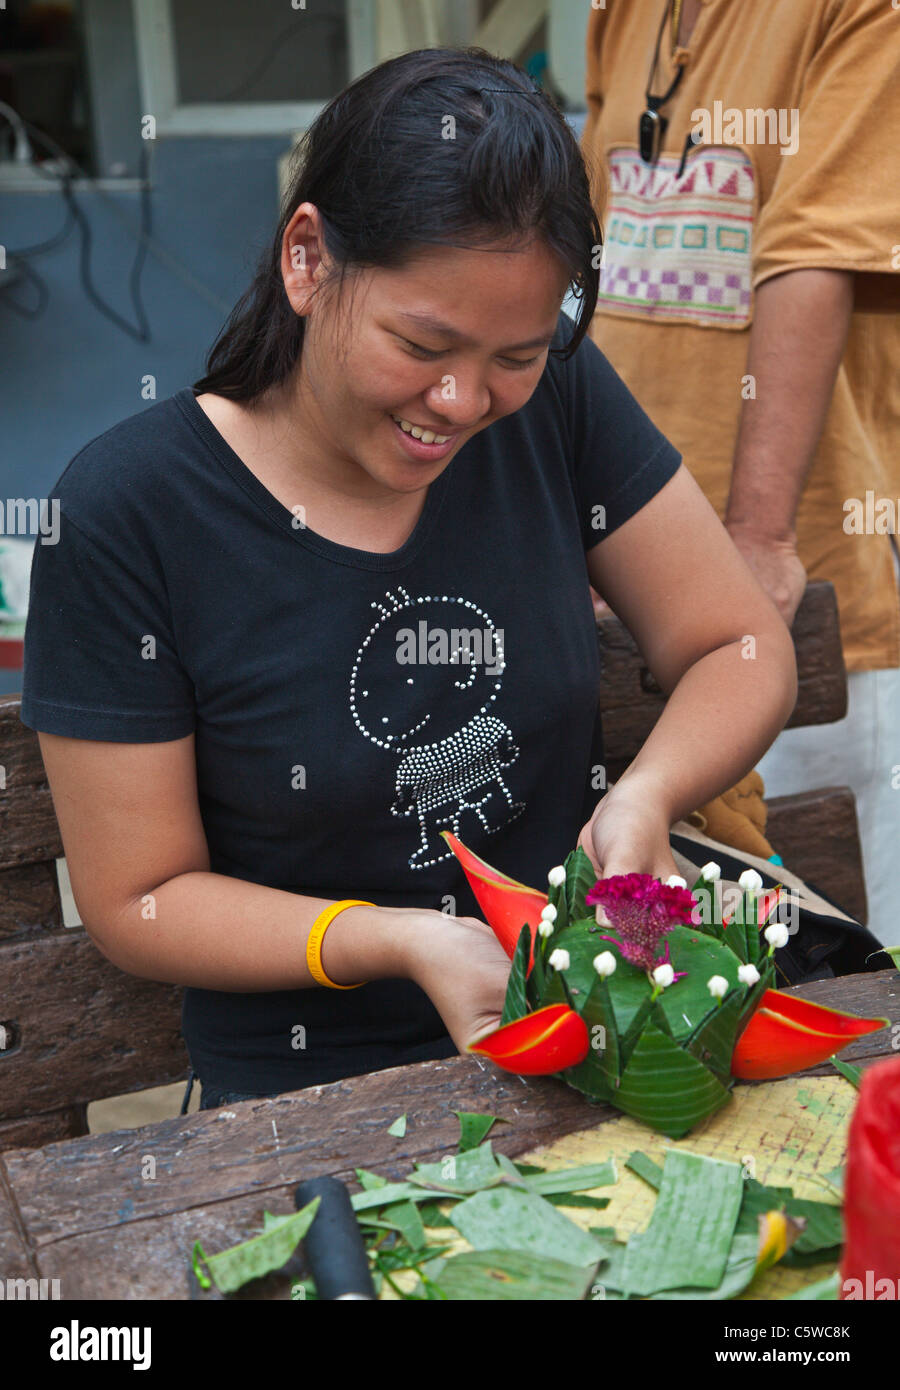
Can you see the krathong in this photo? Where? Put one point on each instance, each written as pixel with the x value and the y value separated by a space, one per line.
pixel 658 1012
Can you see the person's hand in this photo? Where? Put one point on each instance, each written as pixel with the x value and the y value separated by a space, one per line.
pixel 601 607
pixel 628 834
pixel 775 564
pixel 461 966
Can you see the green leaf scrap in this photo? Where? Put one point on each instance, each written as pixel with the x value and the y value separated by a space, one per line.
pixel 821 1290
pixel 461 1173
pixel 853 1074
pixel 511 1219
pixel 474 1128
pixel 511 1275
pixel 645 1168
pixel 398 1128
pixel 260 1255
pixel 690 1234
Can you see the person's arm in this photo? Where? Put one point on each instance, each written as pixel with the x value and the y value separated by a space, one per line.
pixel 718 649
pixel 138 863
pixel 797 339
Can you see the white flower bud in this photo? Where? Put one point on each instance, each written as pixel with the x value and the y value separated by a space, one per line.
pixel 557 876
pixel 549 913
pixel 711 872
pixel 559 959
pixel 751 880
pixel 604 964
pixel 717 986
pixel 676 881
pixel 545 928
pixel 664 975
pixel 748 974
pixel 777 935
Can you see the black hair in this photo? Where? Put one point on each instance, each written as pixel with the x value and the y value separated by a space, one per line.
pixel 386 179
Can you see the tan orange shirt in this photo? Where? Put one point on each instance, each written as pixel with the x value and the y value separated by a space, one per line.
pixel 798 104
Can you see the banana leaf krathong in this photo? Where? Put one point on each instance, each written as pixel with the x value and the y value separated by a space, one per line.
pixel 649 1014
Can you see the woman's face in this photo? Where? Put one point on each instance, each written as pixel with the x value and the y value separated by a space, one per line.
pixel 448 344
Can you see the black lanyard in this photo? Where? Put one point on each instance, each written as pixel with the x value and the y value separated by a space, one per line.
pixel 652 126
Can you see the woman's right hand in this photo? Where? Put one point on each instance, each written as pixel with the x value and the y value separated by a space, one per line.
pixel 461 966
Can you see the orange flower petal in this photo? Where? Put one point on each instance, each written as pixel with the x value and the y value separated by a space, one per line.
pixel 507 904
pixel 788 1034
pixel 548 1040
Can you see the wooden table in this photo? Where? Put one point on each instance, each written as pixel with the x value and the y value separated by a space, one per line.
pixel 116 1215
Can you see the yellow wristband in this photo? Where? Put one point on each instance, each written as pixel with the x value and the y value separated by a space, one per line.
pixel 316 936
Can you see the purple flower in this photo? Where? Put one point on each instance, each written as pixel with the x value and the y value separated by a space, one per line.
pixel 642 911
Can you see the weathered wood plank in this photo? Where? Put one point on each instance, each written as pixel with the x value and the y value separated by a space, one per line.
pixel 50 1128
pixel 28 829
pixel 85 1029
pixel 152 1259
pixel 631 702
pixel 817 835
pixel 29 899
pixel 16 1260
pixel 207 1158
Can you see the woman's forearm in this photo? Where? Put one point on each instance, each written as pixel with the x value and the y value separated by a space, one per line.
pixel 723 714
pixel 214 932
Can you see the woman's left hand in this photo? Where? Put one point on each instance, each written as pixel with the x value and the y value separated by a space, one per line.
pixel 628 834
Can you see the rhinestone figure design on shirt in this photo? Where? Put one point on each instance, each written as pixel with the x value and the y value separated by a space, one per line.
pixel 422 686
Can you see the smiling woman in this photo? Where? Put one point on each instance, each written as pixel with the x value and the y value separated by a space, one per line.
pixel 399 432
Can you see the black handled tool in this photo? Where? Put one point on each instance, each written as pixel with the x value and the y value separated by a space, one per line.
pixel 334 1245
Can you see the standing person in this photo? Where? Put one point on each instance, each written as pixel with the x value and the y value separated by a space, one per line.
pixel 749 297
pixel 335 599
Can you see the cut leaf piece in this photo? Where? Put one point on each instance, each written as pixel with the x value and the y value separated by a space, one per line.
pixel 853 1074
pixel 506 903
pixel 542 1042
pixel 645 1168
pixel 788 1034
pixel 740 1271
pixel 398 1129
pixel 573 1179
pixel 473 1129
pixel 692 1227
pixel 509 1218
pixel 405 1218
pixel 823 1289
pixel 232 1268
pixel 460 1173
pixel 511 1275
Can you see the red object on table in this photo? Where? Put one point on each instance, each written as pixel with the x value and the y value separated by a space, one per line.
pixel 788 1034
pixel 870 1268
pixel 12 653
pixel 546 1041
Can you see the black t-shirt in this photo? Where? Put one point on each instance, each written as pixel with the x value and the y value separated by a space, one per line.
pixel 347 705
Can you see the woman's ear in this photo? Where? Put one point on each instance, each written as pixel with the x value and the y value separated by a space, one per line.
pixel 302 257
